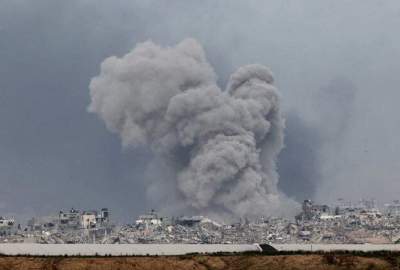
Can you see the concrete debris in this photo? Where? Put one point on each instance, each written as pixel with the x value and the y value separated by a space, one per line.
pixel 343 223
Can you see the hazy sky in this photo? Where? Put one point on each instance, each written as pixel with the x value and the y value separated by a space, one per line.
pixel 335 62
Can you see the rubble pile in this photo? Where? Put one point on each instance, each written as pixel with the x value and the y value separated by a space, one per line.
pixel 344 223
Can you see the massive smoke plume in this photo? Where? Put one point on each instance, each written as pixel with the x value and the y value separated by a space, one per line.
pixel 219 147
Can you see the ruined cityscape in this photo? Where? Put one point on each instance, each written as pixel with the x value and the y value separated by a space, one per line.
pixel 342 223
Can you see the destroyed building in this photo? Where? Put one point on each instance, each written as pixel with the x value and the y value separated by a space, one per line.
pixel 149 219
pixel 7 226
pixel 344 223
pixel 75 219
pixel 73 226
pixel 312 211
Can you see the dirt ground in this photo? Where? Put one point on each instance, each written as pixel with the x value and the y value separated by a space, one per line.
pixel 197 262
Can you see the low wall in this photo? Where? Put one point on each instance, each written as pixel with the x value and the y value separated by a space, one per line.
pixel 120 249
pixel 335 247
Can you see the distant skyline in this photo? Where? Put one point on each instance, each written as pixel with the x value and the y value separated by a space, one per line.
pixel 55 155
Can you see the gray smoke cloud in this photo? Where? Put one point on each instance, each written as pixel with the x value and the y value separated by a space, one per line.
pixel 315 151
pixel 50 49
pixel 300 161
pixel 335 104
pixel 219 147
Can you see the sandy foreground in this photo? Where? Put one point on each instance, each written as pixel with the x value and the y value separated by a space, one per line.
pixel 197 262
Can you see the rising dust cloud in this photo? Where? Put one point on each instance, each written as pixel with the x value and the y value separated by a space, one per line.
pixel 218 147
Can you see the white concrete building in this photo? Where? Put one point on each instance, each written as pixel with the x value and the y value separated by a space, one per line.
pixel 6 222
pixel 88 220
pixel 149 219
